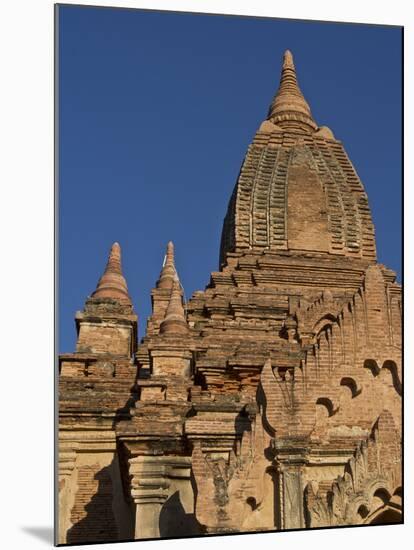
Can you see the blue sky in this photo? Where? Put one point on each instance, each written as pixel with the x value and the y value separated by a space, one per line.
pixel 156 111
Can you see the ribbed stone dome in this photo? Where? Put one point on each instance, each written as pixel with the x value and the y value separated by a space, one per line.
pixel 297 189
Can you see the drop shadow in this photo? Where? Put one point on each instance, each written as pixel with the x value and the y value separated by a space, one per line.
pixel 44 534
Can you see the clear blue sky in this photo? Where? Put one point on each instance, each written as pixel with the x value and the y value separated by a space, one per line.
pixel 156 112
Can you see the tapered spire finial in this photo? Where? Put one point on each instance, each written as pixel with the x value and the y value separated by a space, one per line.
pixel 288 60
pixel 289 108
pixel 168 273
pixel 112 284
pixel 174 321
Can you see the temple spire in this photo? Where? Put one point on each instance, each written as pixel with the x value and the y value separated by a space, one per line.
pixel 174 321
pixel 168 273
pixel 112 284
pixel 289 108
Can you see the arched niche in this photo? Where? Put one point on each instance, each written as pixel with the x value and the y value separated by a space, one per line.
pixel 327 404
pixel 372 365
pixel 363 512
pixel 391 367
pixel 398 492
pixel 350 383
pixel 324 322
pixel 380 498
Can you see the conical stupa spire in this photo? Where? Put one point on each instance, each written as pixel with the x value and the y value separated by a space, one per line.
pixel 174 321
pixel 168 273
pixel 289 108
pixel 112 284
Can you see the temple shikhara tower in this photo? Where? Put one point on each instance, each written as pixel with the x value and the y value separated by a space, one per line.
pixel 272 399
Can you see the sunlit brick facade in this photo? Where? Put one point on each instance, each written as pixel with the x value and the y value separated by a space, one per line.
pixel 272 399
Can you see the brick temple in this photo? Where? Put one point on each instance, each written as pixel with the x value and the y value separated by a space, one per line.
pixel 272 399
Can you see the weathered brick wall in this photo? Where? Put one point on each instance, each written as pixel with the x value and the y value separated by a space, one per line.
pixel 307 216
pixel 104 338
